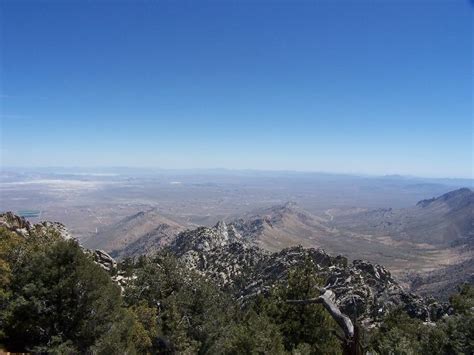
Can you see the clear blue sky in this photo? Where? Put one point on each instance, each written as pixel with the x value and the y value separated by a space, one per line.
pixel 378 87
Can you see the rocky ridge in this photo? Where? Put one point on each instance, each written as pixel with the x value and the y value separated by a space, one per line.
pixel 363 290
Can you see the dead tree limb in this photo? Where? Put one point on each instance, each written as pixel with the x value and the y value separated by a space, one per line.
pixel 327 298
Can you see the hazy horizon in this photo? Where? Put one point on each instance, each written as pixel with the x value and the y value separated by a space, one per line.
pixel 84 170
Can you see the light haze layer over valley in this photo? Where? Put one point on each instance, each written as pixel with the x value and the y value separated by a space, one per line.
pixel 421 229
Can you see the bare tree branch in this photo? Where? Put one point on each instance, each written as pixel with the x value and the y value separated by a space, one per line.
pixel 327 298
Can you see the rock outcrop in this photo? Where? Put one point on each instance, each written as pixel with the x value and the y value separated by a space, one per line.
pixel 25 229
pixel 104 260
pixel 15 223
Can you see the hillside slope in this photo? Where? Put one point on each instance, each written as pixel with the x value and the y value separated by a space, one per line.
pixel 140 233
pixel 446 221
pixel 281 226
